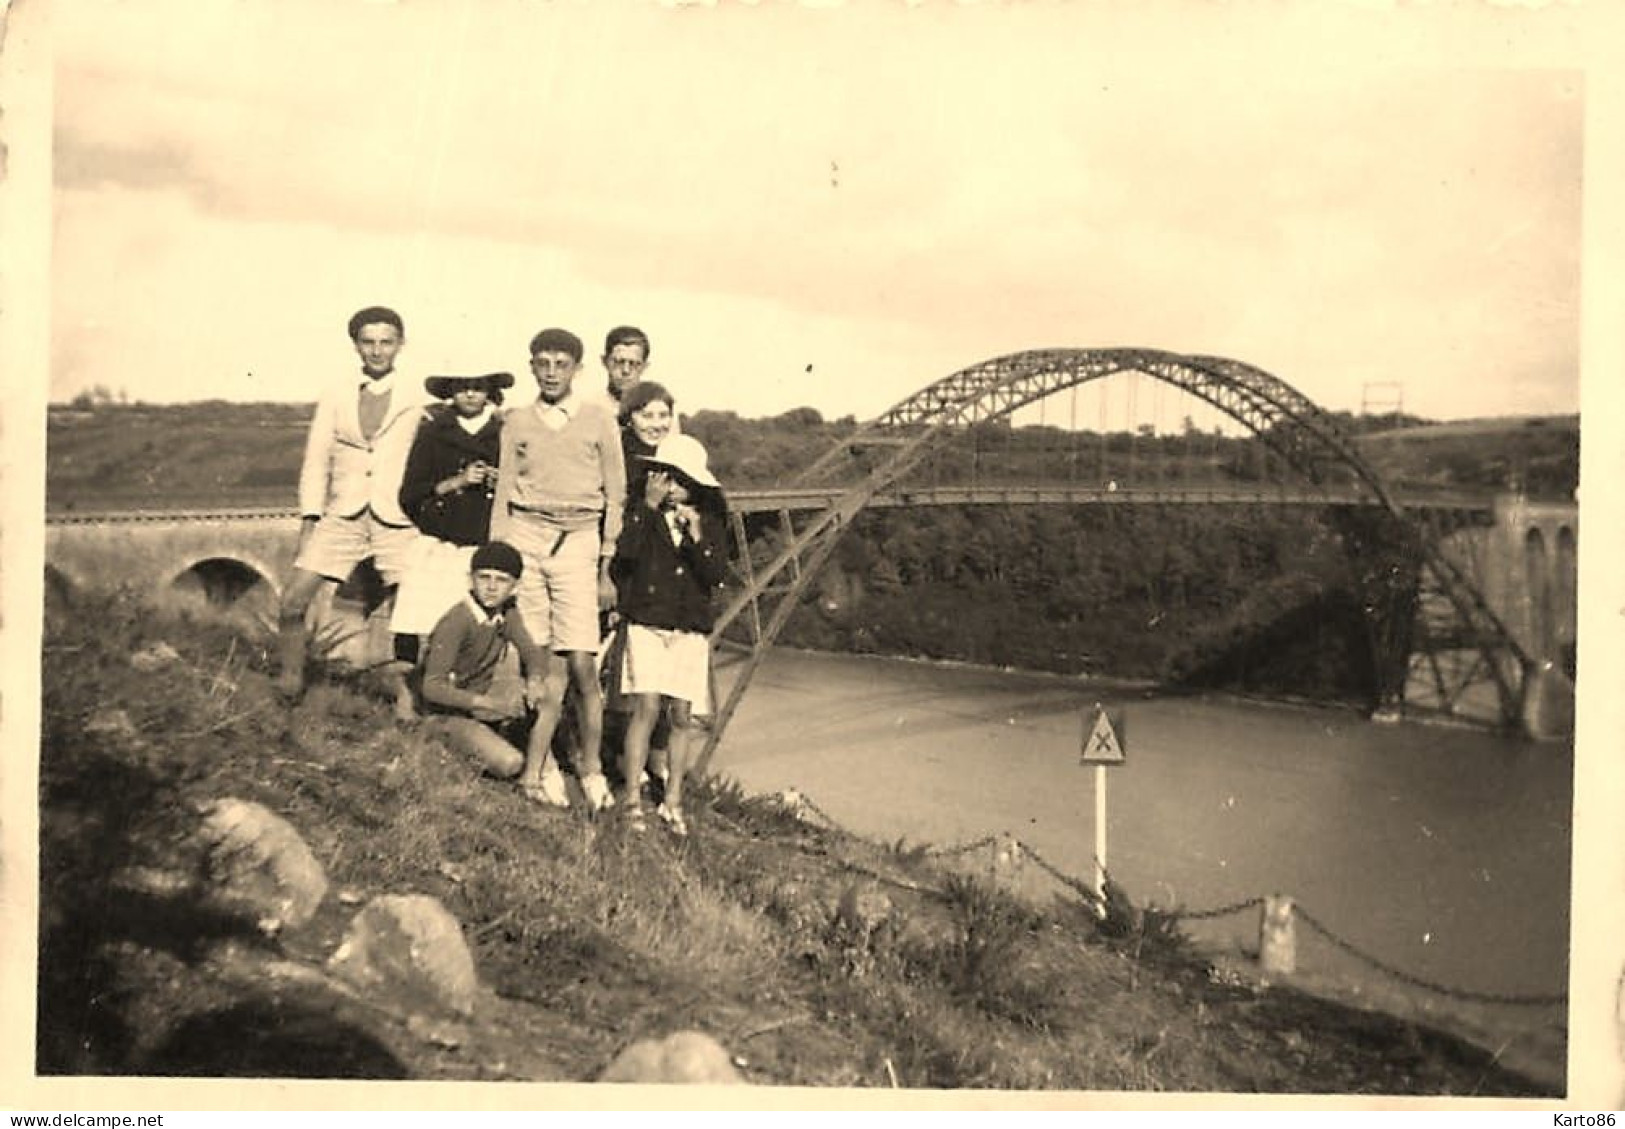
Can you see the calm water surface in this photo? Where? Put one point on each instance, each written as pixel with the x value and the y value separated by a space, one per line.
pixel 1442 852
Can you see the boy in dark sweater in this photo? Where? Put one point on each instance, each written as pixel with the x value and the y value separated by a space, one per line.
pixel 470 680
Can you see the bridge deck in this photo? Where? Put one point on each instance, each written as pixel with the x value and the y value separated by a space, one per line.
pixel 819 498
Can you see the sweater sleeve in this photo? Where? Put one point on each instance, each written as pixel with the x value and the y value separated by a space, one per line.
pixel 709 558
pixel 640 519
pixel 507 469
pixel 612 459
pixel 439 683
pixel 418 480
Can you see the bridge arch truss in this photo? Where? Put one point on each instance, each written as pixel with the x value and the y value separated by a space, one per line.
pixel 1290 425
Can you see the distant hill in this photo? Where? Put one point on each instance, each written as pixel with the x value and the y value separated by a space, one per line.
pixel 215 453
pixel 1537 454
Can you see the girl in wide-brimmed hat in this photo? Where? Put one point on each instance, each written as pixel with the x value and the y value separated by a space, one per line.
pixel 670 563
pixel 447 489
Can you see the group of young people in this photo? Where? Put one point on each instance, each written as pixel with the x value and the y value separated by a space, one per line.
pixel 569 548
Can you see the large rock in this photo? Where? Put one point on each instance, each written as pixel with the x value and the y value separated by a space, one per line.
pixel 685 1056
pixel 257 863
pixel 408 950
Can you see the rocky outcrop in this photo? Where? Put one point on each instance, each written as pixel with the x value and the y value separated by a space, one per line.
pixel 408 954
pixel 682 1057
pixel 257 864
pixel 862 909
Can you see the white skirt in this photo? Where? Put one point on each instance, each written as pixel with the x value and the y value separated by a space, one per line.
pixel 674 663
pixel 436 579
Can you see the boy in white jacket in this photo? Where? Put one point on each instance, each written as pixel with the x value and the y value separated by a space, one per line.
pixel 349 487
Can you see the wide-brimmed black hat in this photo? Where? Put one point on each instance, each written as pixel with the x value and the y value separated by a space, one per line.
pixel 443 387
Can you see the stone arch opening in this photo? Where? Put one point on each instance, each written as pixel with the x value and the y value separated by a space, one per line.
pixel 223 584
pixel 1538 592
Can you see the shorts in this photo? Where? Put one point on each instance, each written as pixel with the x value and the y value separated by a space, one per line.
pixel 436 579
pixel 558 591
pixel 338 544
pixel 665 661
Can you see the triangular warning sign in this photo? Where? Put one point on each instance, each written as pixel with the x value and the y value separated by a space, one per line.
pixel 1101 741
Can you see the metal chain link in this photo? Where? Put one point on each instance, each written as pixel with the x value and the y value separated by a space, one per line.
pixel 806 801
pixel 1221 911
pixel 1429 985
pixel 1076 884
pixel 962 848
pixel 1087 892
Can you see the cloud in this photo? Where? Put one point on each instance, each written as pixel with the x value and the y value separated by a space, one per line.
pixel 995 185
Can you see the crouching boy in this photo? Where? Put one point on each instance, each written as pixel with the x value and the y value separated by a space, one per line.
pixel 472 667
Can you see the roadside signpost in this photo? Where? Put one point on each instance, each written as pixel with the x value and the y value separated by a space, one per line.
pixel 1104 743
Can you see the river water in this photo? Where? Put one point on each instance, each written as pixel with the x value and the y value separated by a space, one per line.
pixel 1443 853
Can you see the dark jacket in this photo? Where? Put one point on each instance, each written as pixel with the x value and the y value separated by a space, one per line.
pixel 442 448
pixel 659 584
pixel 637 466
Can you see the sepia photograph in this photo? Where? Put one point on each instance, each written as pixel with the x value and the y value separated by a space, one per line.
pixel 654 553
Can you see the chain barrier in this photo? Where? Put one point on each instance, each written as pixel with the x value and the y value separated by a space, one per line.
pixel 962 848
pixel 1431 986
pixel 1077 885
pixel 1221 911
pixel 800 800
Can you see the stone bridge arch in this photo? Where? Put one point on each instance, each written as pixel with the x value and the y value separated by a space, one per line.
pixel 225 581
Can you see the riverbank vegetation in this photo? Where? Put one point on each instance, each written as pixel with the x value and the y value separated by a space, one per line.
pixel 585 934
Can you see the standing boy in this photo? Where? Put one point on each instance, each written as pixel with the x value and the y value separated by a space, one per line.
pixel 349 485
pixel 626 355
pixel 561 484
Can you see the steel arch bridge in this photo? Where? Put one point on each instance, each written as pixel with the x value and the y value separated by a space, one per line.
pixel 1287 423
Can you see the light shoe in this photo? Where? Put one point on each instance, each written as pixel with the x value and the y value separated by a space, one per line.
pixel 596 789
pixel 673 818
pixel 548 790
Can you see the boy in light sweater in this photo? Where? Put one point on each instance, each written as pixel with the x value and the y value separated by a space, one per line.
pixel 561 484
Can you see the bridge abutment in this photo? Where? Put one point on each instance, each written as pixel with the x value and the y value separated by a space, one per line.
pixel 1524 566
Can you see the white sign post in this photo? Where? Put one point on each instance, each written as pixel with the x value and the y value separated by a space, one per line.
pixel 1103 746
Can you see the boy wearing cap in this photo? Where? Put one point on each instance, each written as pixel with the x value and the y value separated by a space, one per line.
pixel 447 491
pixel 561 484
pixel 348 485
pixel 468 675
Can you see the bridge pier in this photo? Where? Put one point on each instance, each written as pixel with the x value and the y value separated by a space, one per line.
pixel 1523 565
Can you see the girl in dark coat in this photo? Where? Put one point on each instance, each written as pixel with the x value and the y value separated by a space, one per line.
pixel 647 415
pixel 670 563
pixel 446 490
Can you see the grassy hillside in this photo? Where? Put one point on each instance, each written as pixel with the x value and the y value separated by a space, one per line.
pixel 589 935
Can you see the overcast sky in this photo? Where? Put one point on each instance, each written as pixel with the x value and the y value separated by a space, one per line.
pixel 885 193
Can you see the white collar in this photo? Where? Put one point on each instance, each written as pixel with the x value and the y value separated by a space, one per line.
pixel 473 424
pixel 568 405
pixel 381 386
pixel 480 614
